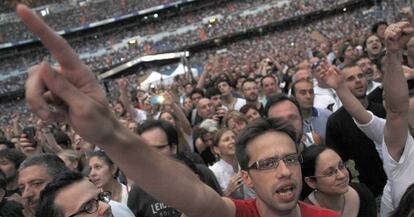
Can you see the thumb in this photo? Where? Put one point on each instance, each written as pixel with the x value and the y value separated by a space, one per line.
pixel 60 86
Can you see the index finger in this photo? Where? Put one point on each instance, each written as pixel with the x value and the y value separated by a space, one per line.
pixel 58 47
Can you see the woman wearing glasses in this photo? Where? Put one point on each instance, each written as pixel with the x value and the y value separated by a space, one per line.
pixel 325 173
pixel 227 169
pixel 104 173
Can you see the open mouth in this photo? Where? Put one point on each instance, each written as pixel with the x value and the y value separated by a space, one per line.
pixel 286 193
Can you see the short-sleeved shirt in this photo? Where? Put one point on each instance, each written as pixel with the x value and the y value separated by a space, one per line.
pixel 400 172
pixel 247 208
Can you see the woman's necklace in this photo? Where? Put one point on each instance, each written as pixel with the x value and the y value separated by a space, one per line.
pixel 341 211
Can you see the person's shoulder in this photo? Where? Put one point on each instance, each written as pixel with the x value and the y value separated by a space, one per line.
pixel 338 115
pixel 323 112
pixel 246 208
pixel 309 210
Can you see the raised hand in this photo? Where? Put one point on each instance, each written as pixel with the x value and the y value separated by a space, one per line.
pixel 235 183
pixel 73 88
pixel 397 35
pixel 407 12
pixel 329 77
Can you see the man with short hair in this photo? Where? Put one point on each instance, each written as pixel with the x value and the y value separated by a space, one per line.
pixel 229 101
pixel 38 171
pixel 287 108
pixel 349 141
pixel 271 168
pixel 34 174
pixel 10 160
pixel 250 92
pixel 270 87
pixel 314 119
pixel 161 136
pixel 205 109
pixel 373 47
pixel 214 95
pixel 193 116
pixel 72 194
pixel 379 29
pixel 346 54
pixel 369 70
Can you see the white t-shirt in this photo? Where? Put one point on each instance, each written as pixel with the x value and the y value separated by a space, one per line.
pixel 120 210
pixel 237 105
pixel 223 172
pixel 325 97
pixel 400 173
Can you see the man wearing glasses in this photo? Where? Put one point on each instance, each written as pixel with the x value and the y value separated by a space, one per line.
pixel 267 151
pixel 72 195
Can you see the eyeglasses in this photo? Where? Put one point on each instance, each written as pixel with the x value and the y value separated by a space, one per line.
pixel 331 172
pixel 273 162
pixel 92 205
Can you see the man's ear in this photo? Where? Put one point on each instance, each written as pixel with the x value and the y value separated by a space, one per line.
pixel 310 182
pixel 247 180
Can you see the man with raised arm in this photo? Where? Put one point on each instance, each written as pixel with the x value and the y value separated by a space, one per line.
pixel 391 136
pixel 272 168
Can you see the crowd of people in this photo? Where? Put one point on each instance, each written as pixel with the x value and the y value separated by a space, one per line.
pixel 318 124
pixel 231 23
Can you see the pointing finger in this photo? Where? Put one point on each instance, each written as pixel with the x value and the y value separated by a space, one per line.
pixel 57 46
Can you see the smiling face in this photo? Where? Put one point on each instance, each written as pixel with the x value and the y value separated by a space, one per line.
pixel 367 67
pixel 226 144
pixel 277 189
pixel 330 182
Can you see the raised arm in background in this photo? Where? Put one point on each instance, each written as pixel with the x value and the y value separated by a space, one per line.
pixel 331 77
pixel 184 124
pixel 124 98
pixel 86 109
pixel 396 88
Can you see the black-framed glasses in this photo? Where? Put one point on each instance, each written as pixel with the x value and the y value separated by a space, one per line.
pixel 273 162
pixel 331 172
pixel 92 205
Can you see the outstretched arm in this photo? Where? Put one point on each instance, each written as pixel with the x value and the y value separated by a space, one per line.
pixel 81 102
pixel 332 78
pixel 396 89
